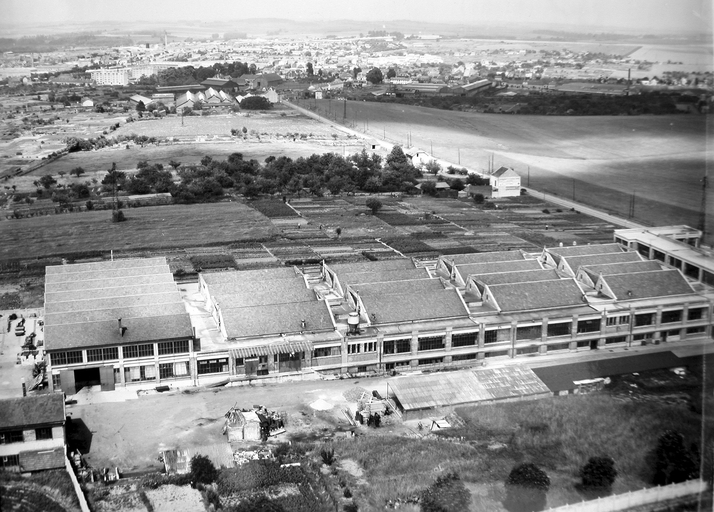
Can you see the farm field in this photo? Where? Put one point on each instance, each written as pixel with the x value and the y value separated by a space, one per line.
pixel 662 159
pixel 149 227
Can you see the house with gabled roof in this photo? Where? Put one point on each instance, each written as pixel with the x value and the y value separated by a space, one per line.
pixel 505 182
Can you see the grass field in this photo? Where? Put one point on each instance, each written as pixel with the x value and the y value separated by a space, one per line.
pixel 559 434
pixel 662 159
pixel 150 227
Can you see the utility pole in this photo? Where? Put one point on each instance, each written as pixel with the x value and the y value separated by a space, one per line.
pixel 703 211
pixel 573 189
pixel 529 175
pixel 459 154
pixel 344 112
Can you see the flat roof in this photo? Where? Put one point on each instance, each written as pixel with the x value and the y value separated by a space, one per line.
pixel 657 238
pixel 105 265
pixel 104 274
pixel 464 387
pixel 276 319
pixel 107 293
pixel 146 301
pixel 112 282
pixel 106 333
pixel 560 377
pixel 32 410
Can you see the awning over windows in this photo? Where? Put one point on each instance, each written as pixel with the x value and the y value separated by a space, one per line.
pixel 287 347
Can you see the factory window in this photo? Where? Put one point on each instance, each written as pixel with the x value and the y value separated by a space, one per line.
pixel 592 325
pixel 527 350
pixel 431 343
pixel 117 375
pixel 43 433
pixel 559 329
pixel 370 346
pixel 583 344
pixel 8 461
pixel 644 319
pixel 397 346
pixel 173 370
pixel 531 332
pixel 102 354
pixel 213 366
pixel 71 357
pixel 327 352
pixel 240 361
pixel 558 346
pixel 671 316
pixel 464 339
pixel 618 320
pixel 696 330
pixel 615 339
pixel 173 347
pixel 496 353
pixel 463 357
pixel 431 360
pixel 355 348
pixel 140 373
pixel 134 351
pixel 696 313
pixel 56 382
pixel 12 436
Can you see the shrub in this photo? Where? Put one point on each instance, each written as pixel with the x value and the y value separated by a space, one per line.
pixel 374 204
pixel 526 488
pixel 673 462
pixel 598 474
pixel 447 494
pixel 202 470
pixel 118 216
pixel 327 455
pixel 89 205
pixel 479 198
pixel 546 211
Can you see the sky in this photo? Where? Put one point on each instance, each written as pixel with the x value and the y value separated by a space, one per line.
pixel 632 16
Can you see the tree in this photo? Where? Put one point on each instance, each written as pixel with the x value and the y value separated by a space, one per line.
pixel 479 198
pixel 198 105
pixel 391 73
pixel 526 488
pixel 447 494
pixel 202 470
pixel 77 171
pixel 428 188
pixel 255 103
pixel 140 107
pixel 674 463
pixel 310 71
pixel 375 76
pixel 433 167
pixel 373 204
pixel 47 181
pixel 598 475
pixel 457 185
pixel 356 71
pixel 175 164
pixel 260 503
pixel 474 179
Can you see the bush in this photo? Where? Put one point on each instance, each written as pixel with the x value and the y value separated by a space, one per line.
pixel 479 198
pixel 255 103
pixel 327 455
pixel 447 494
pixel 673 463
pixel 373 204
pixel 118 216
pixel 598 475
pixel 202 470
pixel 526 488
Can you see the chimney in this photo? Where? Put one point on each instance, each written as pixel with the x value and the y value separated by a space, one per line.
pixel 122 330
pixel 303 324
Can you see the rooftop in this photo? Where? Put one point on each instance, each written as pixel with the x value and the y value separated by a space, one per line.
pixel 414 286
pixel 484 257
pixel 407 307
pixel 523 276
pixel 111 282
pixel 581 250
pixel 536 296
pixel 621 268
pixel 371 266
pixel 104 274
pixel 247 276
pixel 575 262
pixel 32 410
pixel 109 293
pixel 408 274
pixel 498 266
pixel 275 319
pixel 105 265
pixel 646 285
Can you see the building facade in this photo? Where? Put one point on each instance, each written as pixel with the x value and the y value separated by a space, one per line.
pixel 110 76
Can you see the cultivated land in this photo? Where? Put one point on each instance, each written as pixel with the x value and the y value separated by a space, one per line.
pixel 661 159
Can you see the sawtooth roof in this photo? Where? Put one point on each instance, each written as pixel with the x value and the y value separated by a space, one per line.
pixel 294 285
pixel 621 268
pixel 113 282
pixel 264 297
pixel 32 410
pixel 105 265
pixel 647 285
pixel 524 276
pixel 582 250
pixel 370 266
pixel 498 266
pixel 247 276
pixel 275 319
pixel 575 262
pixel 98 315
pixel 484 257
pixel 407 274
pixel 108 293
pixel 105 274
pixel 536 295
pixel 389 309
pixel 414 286
pixel 146 301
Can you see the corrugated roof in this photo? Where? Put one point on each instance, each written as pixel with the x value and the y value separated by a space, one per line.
pixel 620 268
pixel 104 274
pixel 524 276
pixel 407 274
pixel 274 286
pixel 388 309
pixel 137 289
pixel 414 286
pixel 146 301
pixel 105 265
pixel 106 333
pixel 647 285
pixel 456 388
pixel 264 297
pixel 115 282
pixel 42 459
pixel 575 262
pixel 498 266
pixel 537 295
pixel 484 257
pixel 32 410
pixel 561 377
pixel 275 319
pixel 247 276
pixel 284 347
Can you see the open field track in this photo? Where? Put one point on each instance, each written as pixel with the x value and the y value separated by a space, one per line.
pixel 662 159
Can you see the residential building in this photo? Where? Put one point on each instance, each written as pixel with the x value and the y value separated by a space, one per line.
pixel 505 182
pixel 32 433
pixel 110 76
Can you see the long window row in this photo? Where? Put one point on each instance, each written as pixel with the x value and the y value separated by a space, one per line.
pixel 102 354
pixel 68 357
pixel 173 347
pixel 135 351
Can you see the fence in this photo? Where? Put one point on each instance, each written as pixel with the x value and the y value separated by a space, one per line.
pixel 644 497
pixel 77 489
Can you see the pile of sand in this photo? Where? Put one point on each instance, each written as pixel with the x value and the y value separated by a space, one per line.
pixel 321 405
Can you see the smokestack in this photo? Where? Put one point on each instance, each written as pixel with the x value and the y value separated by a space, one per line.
pixel 121 329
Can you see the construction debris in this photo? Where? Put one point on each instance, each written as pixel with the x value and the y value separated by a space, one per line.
pixel 242 456
pixel 256 424
pixel 354 394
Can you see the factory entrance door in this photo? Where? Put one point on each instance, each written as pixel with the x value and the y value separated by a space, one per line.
pixel 290 362
pixel 86 377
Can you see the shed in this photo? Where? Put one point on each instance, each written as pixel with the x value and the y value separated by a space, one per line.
pixel 243 426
